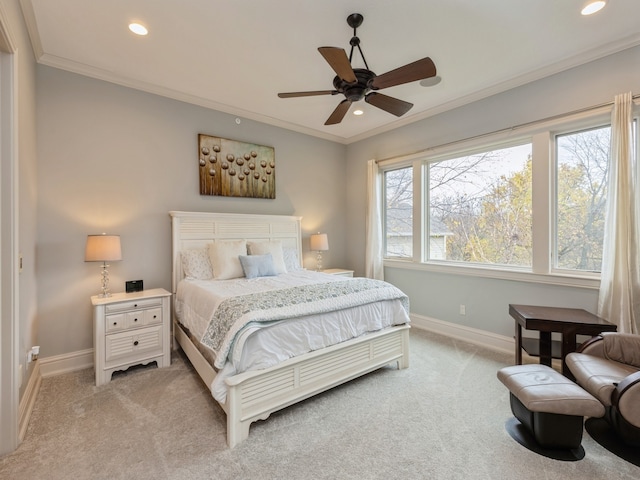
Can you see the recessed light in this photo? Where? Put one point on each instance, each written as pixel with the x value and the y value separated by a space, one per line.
pixel 138 29
pixel 431 81
pixel 593 7
pixel 358 112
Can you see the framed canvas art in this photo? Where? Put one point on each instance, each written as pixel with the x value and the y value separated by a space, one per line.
pixel 236 169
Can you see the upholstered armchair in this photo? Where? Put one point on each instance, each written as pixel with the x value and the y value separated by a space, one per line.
pixel 608 367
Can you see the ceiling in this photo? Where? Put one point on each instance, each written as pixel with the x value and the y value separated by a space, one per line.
pixel 236 56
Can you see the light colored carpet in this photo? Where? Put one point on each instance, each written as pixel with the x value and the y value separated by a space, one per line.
pixel 443 418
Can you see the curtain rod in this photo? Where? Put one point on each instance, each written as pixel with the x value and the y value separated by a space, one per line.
pixel 507 129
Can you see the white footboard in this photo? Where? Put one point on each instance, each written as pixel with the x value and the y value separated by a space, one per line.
pixel 255 395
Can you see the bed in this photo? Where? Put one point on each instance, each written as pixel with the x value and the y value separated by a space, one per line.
pixel 254 394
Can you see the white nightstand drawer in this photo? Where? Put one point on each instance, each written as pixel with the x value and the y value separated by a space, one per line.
pixel 153 316
pixel 115 323
pixel 137 304
pixel 121 345
pixel 123 321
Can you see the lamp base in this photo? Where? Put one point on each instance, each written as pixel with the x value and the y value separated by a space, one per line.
pixel 105 281
pixel 319 261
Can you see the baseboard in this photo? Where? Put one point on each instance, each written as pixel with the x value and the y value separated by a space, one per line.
pixel 82 359
pixel 28 400
pixel 68 362
pixel 462 332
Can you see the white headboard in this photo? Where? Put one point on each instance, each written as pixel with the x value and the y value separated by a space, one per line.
pixel 196 229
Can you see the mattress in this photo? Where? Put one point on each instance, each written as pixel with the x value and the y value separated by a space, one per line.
pixel 196 300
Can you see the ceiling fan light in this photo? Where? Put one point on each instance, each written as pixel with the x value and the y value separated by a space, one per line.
pixel 431 81
pixel 593 7
pixel 358 112
pixel 138 29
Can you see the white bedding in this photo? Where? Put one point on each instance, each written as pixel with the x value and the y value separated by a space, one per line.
pixel 196 300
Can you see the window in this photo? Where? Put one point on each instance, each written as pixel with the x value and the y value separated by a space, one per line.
pixel 480 207
pixel 581 182
pixel 474 207
pixel 398 212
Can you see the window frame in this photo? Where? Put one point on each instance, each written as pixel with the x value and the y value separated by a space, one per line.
pixel 542 137
pixel 384 210
pixel 553 199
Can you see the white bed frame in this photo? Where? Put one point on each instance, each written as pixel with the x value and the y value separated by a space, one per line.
pixel 255 395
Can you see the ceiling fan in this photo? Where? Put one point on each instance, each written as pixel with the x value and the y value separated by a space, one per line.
pixel 358 83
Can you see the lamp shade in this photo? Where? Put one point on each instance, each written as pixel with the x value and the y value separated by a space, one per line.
pixel 103 248
pixel 319 242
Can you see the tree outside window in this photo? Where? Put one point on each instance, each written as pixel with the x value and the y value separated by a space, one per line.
pixel 582 177
pixel 484 202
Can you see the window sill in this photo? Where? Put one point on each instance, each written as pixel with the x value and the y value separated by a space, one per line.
pixel 590 282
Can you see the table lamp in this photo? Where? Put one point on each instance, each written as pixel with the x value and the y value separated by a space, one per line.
pixel 319 243
pixel 103 248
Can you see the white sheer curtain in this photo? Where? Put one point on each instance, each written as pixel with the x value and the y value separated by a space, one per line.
pixel 619 300
pixel 373 248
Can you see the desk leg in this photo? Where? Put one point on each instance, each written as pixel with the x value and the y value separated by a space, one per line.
pixel 518 344
pixel 545 348
pixel 568 346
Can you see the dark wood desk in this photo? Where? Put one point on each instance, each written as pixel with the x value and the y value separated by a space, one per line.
pixel 569 322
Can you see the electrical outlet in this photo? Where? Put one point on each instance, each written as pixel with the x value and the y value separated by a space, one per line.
pixel 33 354
pixel 463 310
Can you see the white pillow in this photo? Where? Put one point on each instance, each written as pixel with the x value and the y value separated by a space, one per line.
pixel 291 260
pixel 274 247
pixel 224 258
pixel 196 264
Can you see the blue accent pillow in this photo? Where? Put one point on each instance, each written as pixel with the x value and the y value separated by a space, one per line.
pixel 258 265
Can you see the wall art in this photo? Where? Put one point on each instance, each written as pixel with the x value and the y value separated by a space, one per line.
pixel 236 169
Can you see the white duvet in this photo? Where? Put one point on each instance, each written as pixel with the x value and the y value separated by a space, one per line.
pixel 196 300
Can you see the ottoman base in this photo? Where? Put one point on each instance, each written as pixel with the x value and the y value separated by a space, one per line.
pixel 524 437
pixel 550 430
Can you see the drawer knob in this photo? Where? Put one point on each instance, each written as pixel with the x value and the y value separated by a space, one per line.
pixel 135 305
pixel 135 319
pixel 135 343
pixel 115 323
pixel 155 316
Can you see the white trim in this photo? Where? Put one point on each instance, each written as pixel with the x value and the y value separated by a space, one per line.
pixel 482 338
pixel 486 271
pixel 462 332
pixel 28 400
pixel 10 377
pixel 66 363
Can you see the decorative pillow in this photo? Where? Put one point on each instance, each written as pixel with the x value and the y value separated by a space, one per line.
pixel 196 264
pixel 291 260
pixel 274 247
pixel 257 265
pixel 224 258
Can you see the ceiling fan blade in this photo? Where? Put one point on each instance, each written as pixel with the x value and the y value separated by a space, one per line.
pixel 339 113
pixel 411 72
pixel 388 104
pixel 307 94
pixel 338 60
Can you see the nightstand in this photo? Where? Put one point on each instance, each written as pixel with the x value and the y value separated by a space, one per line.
pixel 339 271
pixel 130 329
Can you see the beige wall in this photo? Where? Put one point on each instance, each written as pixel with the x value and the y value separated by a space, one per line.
pixel 117 160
